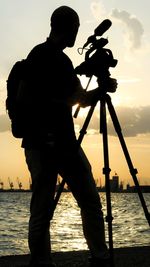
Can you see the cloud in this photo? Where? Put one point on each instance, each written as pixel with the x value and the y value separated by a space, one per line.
pixel 98 10
pixel 133 121
pixel 134 28
pixel 4 123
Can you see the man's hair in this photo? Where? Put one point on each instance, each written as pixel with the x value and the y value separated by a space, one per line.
pixel 63 18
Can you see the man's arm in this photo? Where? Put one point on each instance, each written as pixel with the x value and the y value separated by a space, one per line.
pixel 88 98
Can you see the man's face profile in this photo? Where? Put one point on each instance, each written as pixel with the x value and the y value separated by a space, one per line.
pixel 65 21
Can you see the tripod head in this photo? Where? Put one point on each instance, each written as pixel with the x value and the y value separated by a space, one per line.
pixel 97 59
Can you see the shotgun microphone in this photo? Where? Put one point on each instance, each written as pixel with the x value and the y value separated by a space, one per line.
pixel 102 27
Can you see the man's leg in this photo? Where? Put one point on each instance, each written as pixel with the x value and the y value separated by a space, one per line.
pixel 77 172
pixel 44 177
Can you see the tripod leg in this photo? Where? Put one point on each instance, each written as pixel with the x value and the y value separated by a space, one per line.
pixel 79 141
pixel 127 156
pixel 106 171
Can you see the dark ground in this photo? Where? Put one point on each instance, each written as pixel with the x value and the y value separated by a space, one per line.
pixel 124 257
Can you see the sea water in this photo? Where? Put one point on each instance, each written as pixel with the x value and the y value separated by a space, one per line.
pixel 130 227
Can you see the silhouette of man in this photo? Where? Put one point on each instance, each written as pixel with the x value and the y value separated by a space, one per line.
pixel 50 142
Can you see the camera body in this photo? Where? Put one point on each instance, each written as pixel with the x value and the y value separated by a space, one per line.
pixel 97 60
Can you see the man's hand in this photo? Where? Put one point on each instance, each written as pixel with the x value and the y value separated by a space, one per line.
pixel 109 85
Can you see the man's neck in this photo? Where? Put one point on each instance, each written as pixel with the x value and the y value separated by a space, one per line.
pixel 57 41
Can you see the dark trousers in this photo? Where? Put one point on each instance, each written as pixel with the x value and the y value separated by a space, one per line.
pixel 44 165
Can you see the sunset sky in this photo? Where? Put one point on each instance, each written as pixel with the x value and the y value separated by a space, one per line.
pixel 26 23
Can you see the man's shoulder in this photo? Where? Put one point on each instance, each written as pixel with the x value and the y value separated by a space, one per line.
pixel 37 49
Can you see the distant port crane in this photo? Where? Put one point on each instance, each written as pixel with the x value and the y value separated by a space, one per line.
pixel 10 184
pixel 1 185
pixel 19 183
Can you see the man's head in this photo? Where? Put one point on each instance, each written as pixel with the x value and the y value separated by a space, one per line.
pixel 65 24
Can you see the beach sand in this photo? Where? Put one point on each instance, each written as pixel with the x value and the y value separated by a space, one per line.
pixel 124 257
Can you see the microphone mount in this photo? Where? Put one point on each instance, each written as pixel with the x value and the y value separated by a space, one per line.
pixel 99 31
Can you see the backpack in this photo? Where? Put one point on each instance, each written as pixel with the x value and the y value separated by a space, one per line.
pixel 15 111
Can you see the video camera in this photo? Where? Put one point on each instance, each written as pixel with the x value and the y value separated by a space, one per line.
pixel 97 63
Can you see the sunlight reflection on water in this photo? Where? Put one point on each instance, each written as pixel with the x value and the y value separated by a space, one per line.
pixel 130 228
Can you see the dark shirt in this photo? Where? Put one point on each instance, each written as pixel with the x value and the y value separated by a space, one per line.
pixel 52 81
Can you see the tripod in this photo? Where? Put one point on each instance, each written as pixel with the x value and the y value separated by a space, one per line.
pixel 106 100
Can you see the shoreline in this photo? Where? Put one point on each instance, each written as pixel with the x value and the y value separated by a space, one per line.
pixel 146 191
pixel 123 257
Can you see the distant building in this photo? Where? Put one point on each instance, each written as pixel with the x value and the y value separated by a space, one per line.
pixel 121 187
pixel 114 183
pixel 143 188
